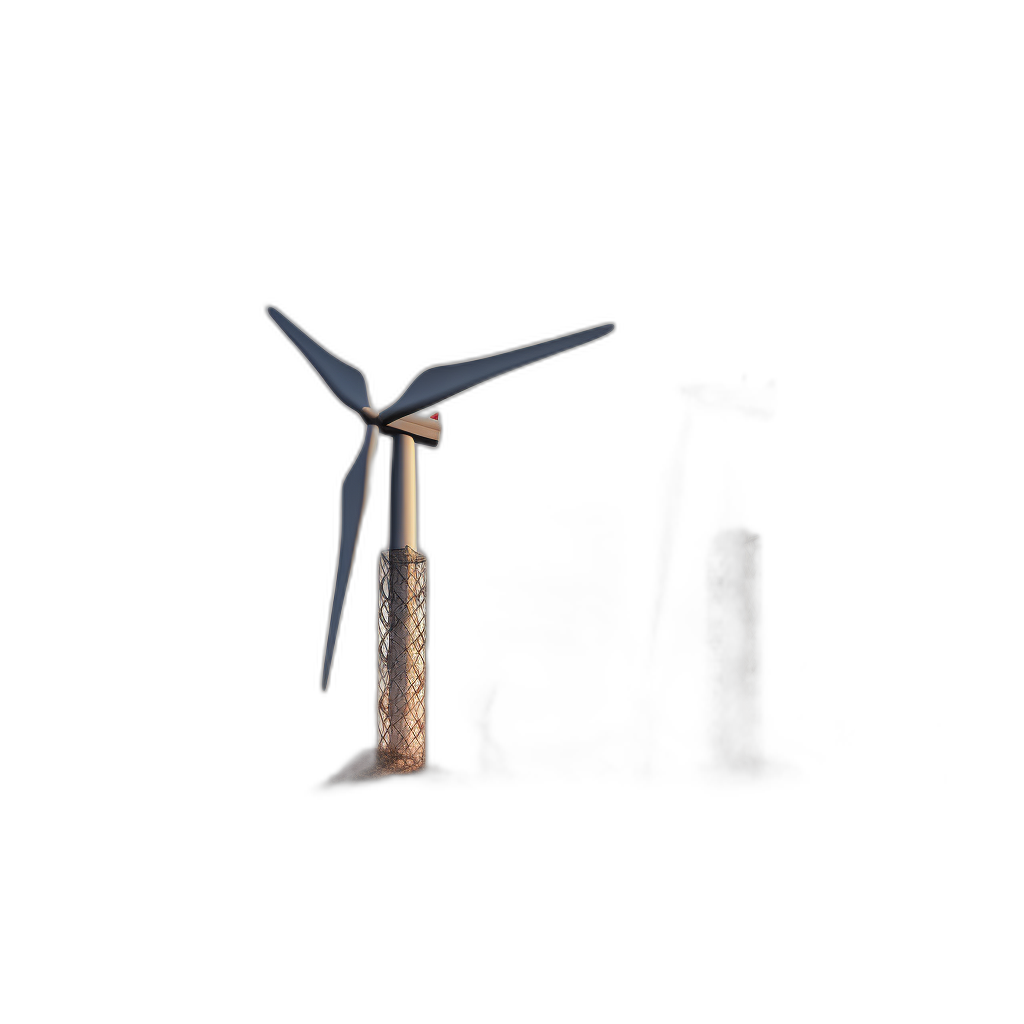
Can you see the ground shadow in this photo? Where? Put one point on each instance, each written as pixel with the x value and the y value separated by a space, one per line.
pixel 368 766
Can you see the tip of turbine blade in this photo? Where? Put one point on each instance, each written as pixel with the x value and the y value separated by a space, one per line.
pixel 324 682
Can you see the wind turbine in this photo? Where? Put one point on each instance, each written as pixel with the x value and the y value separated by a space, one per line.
pixel 401 711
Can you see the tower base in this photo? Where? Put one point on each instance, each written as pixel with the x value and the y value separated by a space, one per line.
pixel 401 660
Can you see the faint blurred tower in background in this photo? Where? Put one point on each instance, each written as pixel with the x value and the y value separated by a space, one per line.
pixel 733 601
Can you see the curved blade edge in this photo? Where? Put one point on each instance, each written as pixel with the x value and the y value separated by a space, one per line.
pixel 347 383
pixel 440 382
pixel 353 501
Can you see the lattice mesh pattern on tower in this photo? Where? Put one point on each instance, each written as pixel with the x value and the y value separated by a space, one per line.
pixel 734 644
pixel 401 662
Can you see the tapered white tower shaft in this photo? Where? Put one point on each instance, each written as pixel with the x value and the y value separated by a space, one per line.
pixel 403 492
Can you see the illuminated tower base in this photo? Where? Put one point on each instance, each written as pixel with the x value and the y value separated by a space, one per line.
pixel 401 660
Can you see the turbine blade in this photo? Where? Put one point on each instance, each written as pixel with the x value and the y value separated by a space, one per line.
pixel 353 500
pixel 440 382
pixel 344 380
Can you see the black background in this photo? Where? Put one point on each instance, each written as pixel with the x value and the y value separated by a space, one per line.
pixel 564 680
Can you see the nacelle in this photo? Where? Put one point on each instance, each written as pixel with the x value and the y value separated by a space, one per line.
pixel 422 429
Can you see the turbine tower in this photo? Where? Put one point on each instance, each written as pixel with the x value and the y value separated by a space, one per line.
pixel 401 660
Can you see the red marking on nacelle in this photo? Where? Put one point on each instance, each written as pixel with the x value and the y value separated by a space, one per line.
pixel 435 416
